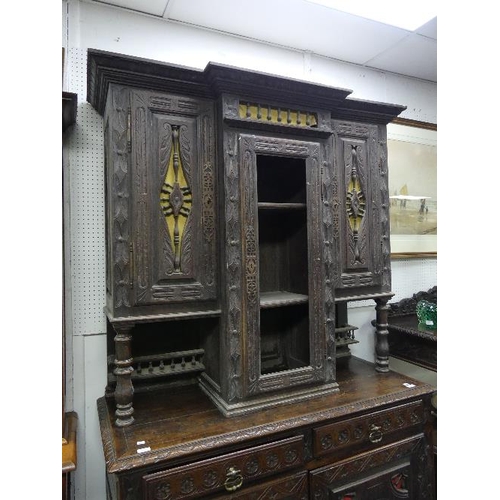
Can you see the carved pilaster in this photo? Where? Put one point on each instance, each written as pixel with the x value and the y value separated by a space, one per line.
pixel 233 265
pixel 250 263
pixel 385 260
pixel 119 184
pixel 329 256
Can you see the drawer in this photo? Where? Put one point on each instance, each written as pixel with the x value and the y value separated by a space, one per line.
pixel 230 472
pixel 373 428
pixel 293 487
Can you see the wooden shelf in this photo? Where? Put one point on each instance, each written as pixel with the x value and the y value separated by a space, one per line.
pixel 158 318
pixel 280 299
pixel 265 205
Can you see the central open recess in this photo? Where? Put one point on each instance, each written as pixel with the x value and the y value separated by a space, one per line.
pixel 283 263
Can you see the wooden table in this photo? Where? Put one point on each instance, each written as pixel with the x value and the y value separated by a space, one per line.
pixel 410 342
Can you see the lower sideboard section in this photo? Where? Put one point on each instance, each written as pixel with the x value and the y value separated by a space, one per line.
pixel 371 441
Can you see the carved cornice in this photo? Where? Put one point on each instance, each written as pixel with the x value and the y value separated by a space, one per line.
pixel 106 68
pixel 367 111
pixel 271 87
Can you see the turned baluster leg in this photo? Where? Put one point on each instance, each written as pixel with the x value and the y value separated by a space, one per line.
pixel 381 335
pixel 123 370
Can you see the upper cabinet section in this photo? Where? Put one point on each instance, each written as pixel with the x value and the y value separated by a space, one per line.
pixel 160 215
pixel 165 129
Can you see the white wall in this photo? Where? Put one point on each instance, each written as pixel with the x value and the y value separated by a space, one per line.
pixel 107 28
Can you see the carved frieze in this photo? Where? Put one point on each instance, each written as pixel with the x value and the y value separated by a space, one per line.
pixel 277 115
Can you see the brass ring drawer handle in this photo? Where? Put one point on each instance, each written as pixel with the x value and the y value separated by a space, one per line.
pixel 234 479
pixel 375 435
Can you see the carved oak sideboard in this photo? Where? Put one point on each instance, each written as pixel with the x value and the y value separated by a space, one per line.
pixel 243 212
pixel 370 440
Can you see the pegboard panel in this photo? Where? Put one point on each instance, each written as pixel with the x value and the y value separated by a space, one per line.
pixel 410 276
pixel 86 199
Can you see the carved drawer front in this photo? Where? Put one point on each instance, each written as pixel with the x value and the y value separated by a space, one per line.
pixel 227 473
pixel 389 472
pixel 372 428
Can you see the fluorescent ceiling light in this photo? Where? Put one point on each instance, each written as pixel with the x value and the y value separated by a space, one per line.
pixel 406 15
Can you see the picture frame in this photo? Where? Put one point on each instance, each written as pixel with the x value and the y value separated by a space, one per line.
pixel 412 169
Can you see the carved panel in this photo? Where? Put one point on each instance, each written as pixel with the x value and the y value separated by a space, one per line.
pixel 176 201
pixel 391 471
pixel 176 197
pixel 358 227
pixel 285 488
pixel 173 197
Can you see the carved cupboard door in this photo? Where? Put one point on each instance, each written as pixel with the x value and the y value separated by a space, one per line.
pixel 394 471
pixel 172 198
pixel 360 206
pixel 280 318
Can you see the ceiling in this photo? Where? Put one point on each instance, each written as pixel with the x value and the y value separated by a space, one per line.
pixel 306 26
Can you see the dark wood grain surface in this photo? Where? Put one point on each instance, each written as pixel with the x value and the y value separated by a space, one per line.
pixel 183 422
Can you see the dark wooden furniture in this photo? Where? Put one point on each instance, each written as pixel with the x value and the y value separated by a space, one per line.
pixel 369 440
pixel 410 342
pixel 244 211
pixel 69 108
pixel 407 340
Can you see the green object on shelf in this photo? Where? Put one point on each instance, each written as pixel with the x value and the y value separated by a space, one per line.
pixel 427 315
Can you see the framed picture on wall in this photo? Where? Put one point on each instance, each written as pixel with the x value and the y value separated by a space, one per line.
pixel 412 164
